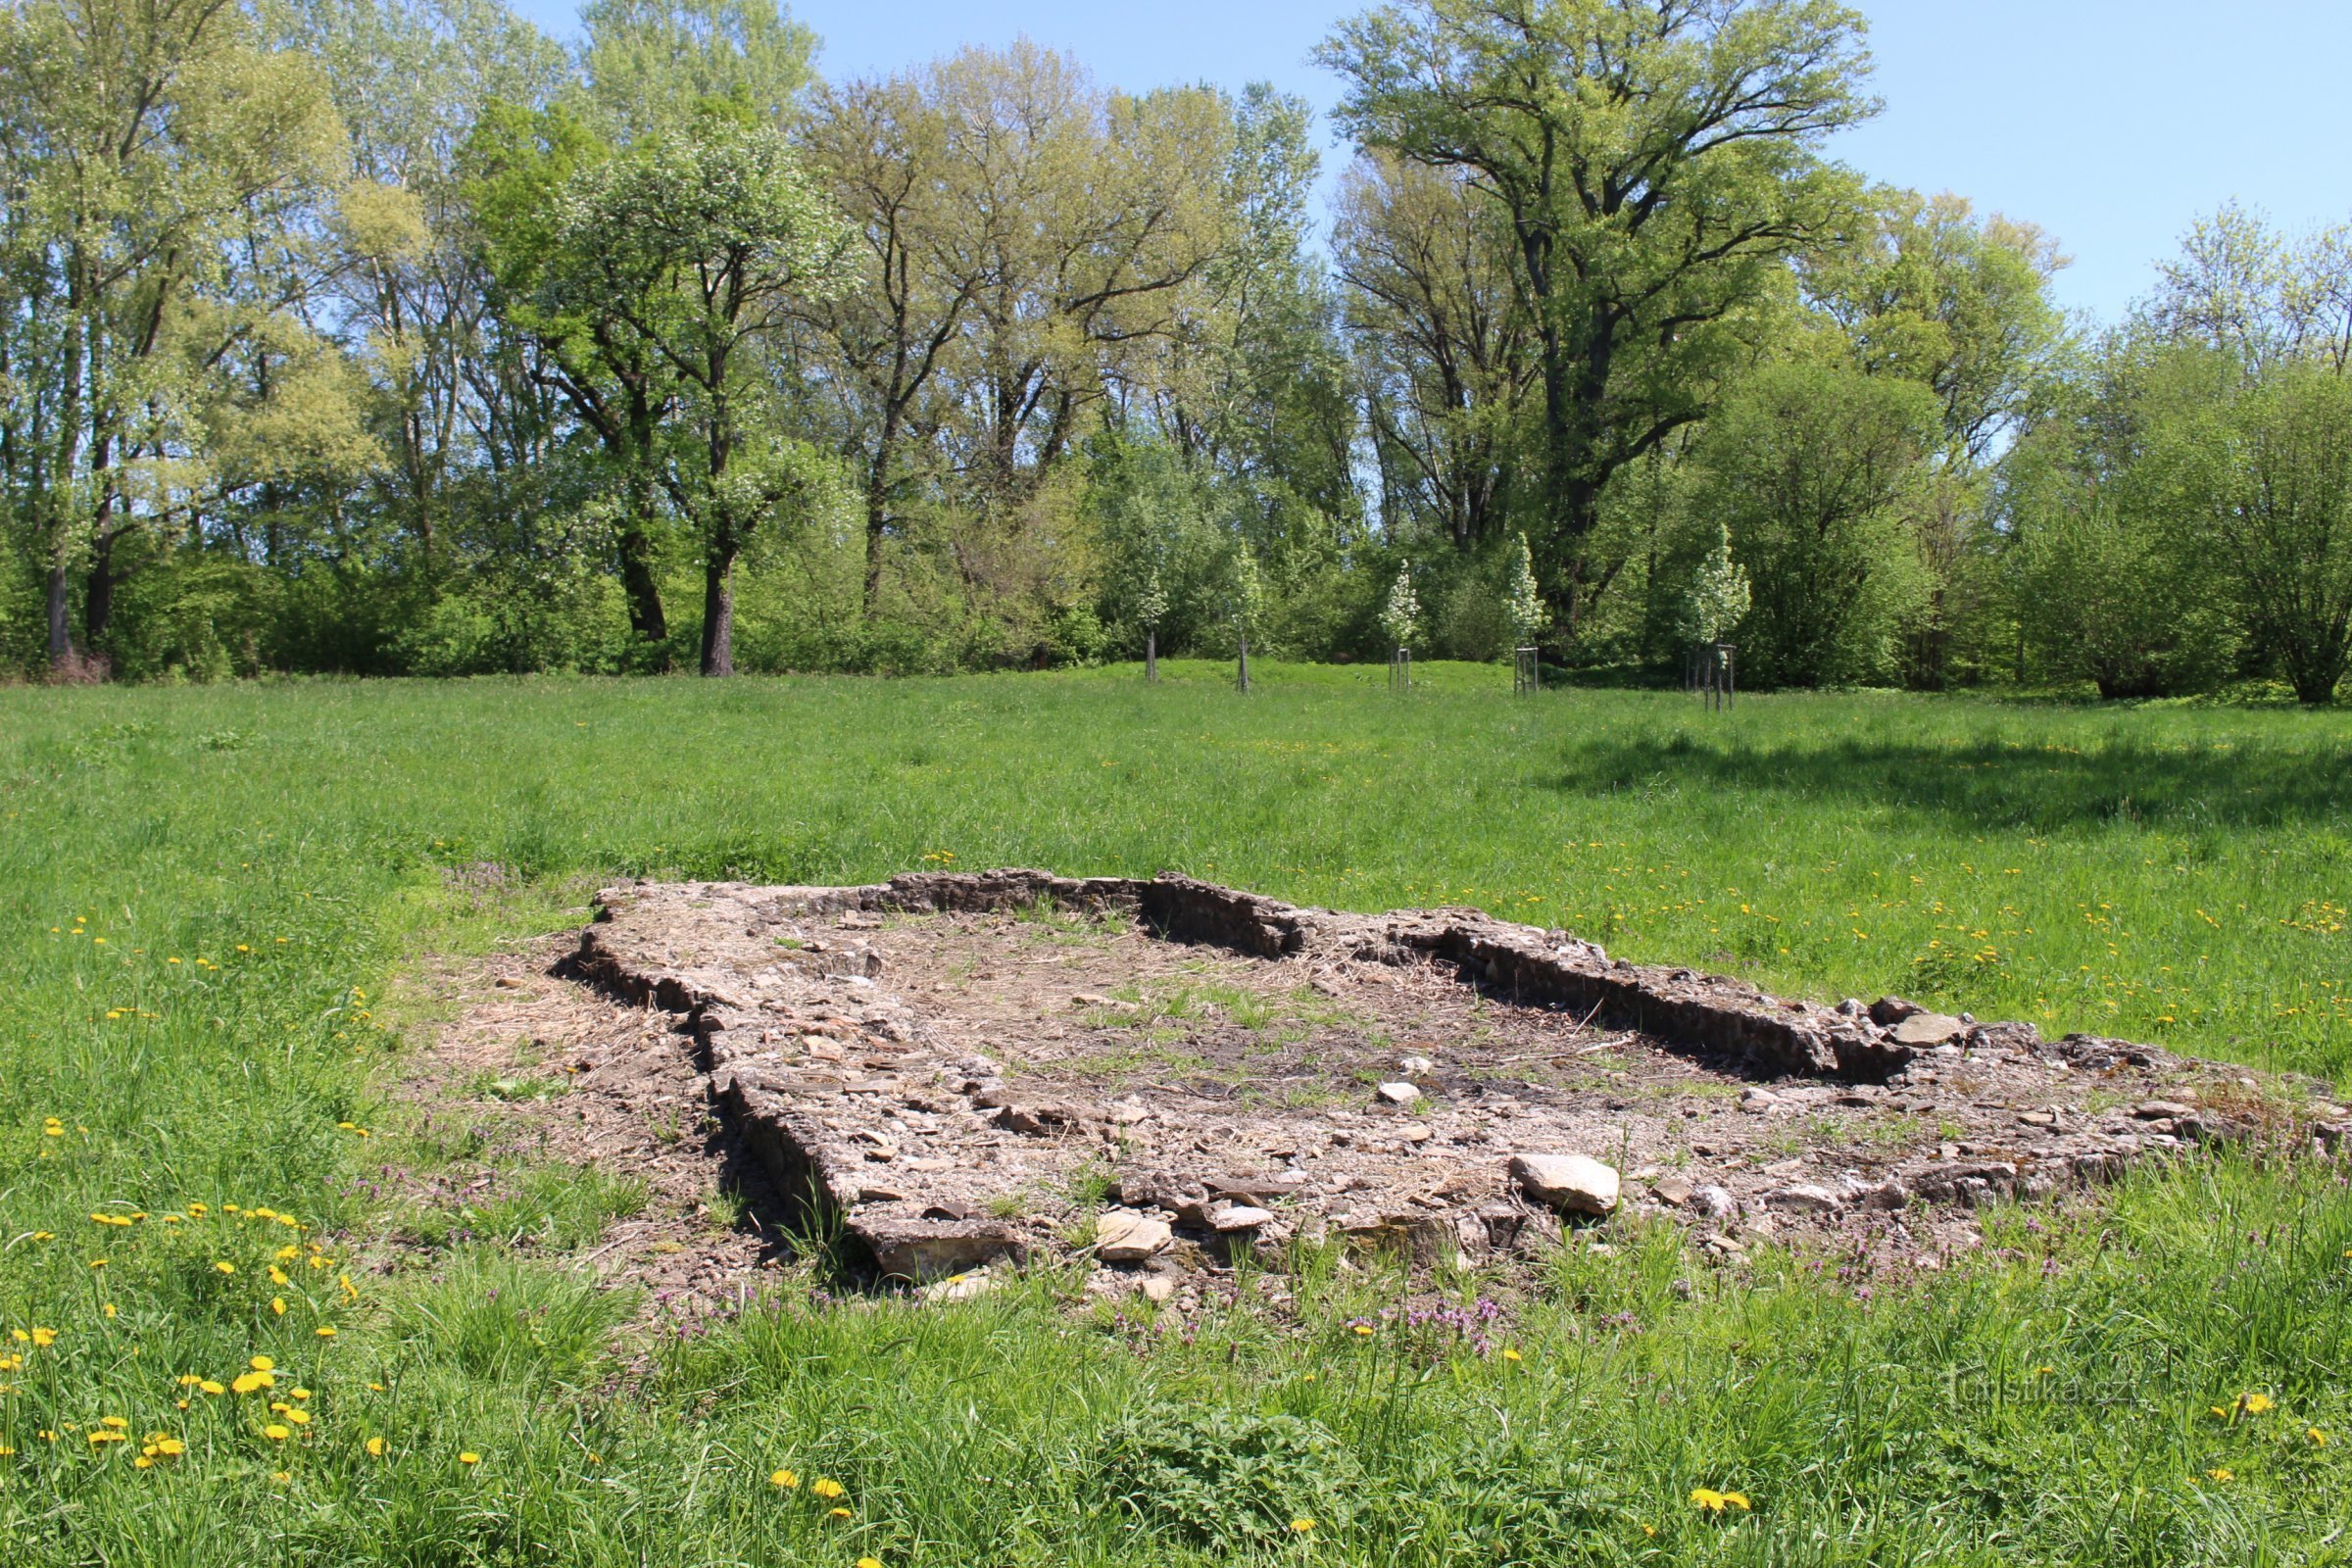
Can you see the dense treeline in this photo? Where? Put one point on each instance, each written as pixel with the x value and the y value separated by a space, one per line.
pixel 389 336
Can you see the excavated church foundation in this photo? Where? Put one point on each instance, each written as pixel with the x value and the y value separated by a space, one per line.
pixel 952 1069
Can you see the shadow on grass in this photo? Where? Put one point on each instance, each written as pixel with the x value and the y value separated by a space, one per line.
pixel 2033 787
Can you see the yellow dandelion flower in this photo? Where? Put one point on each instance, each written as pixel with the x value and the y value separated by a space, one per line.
pixel 2317 1438
pixel 2254 1404
pixel 277 1433
pixel 827 1488
pixel 282 1476
pixel 277 1275
pixel 323 1332
pixel 170 1448
pixel 278 1305
pixel 114 1421
pixel 301 1419
pixel 1301 1526
pixel 869 1562
pixel 142 1462
pixel 469 1457
pixel 42 1339
pixel 210 1387
pixel 2222 1473
pixel 784 1479
pixel 225 1267
pixel 838 1514
pixel 252 1382
pixel 375 1447
pixel 1509 1354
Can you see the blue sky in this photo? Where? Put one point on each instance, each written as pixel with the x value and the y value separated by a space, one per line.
pixel 2113 124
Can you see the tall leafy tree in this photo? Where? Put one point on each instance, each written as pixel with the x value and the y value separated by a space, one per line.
pixel 1444 340
pixel 1808 465
pixel 884 148
pixel 1659 163
pixel 697 242
pixel 648 60
pixel 2277 495
pixel 146 146
pixel 612 379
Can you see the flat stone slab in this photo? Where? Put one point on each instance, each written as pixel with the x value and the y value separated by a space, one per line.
pixel 959 1068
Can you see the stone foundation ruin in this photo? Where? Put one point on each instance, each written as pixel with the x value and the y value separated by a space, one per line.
pixel 951 1069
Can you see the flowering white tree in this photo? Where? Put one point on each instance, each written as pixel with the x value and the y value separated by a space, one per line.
pixel 1401 619
pixel 1523 601
pixel 1719 594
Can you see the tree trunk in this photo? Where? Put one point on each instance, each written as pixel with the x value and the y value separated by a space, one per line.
pixel 1244 681
pixel 877 507
pixel 718 613
pixel 61 625
pixel 98 601
pixel 647 620
pixel 1151 657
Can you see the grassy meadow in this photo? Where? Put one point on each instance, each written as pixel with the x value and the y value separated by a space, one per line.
pixel 215 904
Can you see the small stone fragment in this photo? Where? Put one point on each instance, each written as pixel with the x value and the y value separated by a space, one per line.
pixel 2162 1109
pixel 1572 1183
pixel 1238 1217
pixel 1417 1066
pixel 1889 1195
pixel 1927 1029
pixel 1672 1190
pixel 1399 1093
pixel 1716 1203
pixel 959 1288
pixel 1802 1198
pixel 1124 1236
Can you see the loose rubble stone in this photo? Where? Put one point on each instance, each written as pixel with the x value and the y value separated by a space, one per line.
pixel 1573 1183
pixel 1401 1094
pixel 1716 1203
pixel 1123 1236
pixel 1927 1029
pixel 1802 1198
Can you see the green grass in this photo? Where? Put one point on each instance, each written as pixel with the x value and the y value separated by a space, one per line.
pixel 2174 874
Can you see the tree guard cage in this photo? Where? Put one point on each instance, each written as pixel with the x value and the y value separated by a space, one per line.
pixel 1710 672
pixel 1151 657
pixel 1401 669
pixel 1527 672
